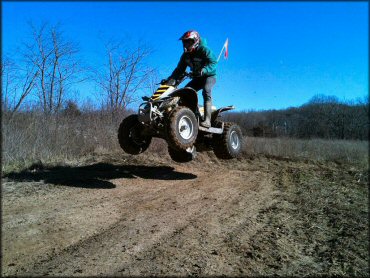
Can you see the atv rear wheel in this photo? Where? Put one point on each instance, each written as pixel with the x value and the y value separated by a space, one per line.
pixel 130 138
pixel 229 144
pixel 182 128
pixel 182 155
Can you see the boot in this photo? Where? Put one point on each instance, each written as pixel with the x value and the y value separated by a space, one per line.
pixel 207 114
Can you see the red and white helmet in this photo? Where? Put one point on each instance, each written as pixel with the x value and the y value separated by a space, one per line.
pixel 190 40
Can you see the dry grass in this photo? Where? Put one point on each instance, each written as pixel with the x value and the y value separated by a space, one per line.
pixel 340 151
pixel 32 138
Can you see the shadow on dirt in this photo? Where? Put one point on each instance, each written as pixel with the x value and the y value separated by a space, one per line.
pixel 96 175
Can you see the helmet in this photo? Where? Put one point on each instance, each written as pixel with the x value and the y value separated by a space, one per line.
pixel 190 40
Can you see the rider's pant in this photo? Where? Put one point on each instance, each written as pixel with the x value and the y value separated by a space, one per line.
pixel 204 82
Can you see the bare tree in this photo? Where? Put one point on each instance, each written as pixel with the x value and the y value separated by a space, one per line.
pixel 17 83
pixel 7 79
pixel 124 74
pixel 54 58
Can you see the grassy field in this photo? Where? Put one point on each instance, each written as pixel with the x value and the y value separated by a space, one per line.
pixel 340 151
pixel 31 138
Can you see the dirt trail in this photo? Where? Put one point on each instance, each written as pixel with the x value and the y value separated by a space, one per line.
pixel 117 215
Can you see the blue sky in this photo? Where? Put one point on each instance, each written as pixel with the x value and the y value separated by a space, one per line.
pixel 280 53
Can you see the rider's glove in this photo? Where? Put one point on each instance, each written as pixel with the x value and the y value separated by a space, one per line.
pixel 163 81
pixel 171 82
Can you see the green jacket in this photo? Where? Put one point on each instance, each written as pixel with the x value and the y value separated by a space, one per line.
pixel 200 59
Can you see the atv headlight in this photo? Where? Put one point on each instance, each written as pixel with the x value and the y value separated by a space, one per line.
pixel 144 113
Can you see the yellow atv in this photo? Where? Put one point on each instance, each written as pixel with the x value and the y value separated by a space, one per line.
pixel 173 114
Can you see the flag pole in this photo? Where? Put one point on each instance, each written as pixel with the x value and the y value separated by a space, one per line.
pixel 219 56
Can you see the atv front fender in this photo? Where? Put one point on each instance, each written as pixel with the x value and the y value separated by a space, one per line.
pixel 188 97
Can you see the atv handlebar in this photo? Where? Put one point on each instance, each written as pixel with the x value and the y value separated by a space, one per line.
pixel 176 82
pixel 184 76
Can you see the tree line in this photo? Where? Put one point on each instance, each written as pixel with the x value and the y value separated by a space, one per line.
pixel 321 117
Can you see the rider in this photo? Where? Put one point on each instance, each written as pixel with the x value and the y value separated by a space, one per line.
pixel 202 63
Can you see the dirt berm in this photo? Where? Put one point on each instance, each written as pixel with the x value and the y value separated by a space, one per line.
pixel 118 215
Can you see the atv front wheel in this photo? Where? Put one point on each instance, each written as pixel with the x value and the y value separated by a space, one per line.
pixel 130 138
pixel 229 144
pixel 182 155
pixel 182 128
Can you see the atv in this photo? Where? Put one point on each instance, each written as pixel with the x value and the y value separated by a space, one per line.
pixel 172 114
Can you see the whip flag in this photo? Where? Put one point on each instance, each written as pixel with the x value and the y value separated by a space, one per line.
pixel 226 47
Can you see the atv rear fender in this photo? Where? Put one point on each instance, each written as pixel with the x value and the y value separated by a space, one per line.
pixel 216 113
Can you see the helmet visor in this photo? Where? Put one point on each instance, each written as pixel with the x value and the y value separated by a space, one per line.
pixel 188 44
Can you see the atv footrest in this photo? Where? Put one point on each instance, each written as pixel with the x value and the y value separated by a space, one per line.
pixel 212 129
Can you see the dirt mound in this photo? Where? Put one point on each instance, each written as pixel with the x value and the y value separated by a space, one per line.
pixel 147 215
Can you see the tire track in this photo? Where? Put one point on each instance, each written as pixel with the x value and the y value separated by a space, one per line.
pixel 145 226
